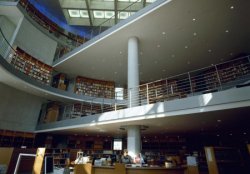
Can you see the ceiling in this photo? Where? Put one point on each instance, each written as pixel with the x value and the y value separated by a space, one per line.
pixel 178 37
pixel 219 122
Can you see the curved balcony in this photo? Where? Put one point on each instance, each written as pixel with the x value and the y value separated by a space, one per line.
pixel 219 77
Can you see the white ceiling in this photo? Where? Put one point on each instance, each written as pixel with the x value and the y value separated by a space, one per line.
pixel 178 37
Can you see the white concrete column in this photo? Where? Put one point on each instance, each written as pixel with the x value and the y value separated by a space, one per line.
pixel 133 72
pixel 133 140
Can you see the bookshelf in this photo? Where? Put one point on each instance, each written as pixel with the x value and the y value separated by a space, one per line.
pixel 95 88
pixel 10 138
pixel 233 70
pixel 59 155
pixel 31 66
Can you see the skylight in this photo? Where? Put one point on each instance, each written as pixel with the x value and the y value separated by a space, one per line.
pixel 74 13
pixel 98 14
pixel 123 15
pixel 109 14
pixel 150 1
pixel 84 13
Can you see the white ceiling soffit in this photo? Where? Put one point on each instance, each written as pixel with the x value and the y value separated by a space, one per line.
pixel 178 37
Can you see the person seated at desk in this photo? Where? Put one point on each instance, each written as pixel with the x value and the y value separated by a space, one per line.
pixel 126 159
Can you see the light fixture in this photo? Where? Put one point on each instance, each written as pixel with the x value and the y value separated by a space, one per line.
pixel 218 120
pixel 158 45
pixel 217 135
pixel 227 31
pixel 74 13
pixel 186 46
pixel 232 7
pixel 163 32
pixel 193 19
pixel 209 51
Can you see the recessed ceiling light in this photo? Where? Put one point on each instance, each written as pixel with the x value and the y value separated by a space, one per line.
pixel 120 52
pixel 195 34
pixel 163 32
pixel 188 62
pixel 115 72
pixel 217 135
pixel 186 46
pixel 227 31
pixel 230 134
pixel 232 7
pixel 194 19
pixel 209 51
pixel 158 46
pixel 244 133
pixel 218 120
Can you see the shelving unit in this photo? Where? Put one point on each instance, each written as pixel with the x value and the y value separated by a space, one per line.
pixel 95 88
pixel 60 156
pixel 233 70
pixel 32 67
pixel 10 138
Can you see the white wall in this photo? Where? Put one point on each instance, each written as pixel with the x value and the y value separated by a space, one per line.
pixel 36 43
pixel 18 110
pixel 8 29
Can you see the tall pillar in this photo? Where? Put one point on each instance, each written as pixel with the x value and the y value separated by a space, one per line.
pixel 133 72
pixel 133 140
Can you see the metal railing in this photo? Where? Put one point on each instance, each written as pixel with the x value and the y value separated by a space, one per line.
pixel 219 77
pixel 71 41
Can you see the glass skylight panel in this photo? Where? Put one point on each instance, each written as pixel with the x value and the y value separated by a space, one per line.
pixel 135 0
pixel 123 15
pixel 123 0
pixel 150 1
pixel 109 14
pixel 84 13
pixel 74 13
pixel 98 14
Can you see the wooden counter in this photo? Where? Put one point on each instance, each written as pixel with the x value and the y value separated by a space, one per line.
pixel 138 170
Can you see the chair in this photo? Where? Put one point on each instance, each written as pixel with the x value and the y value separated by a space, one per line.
pixel 83 168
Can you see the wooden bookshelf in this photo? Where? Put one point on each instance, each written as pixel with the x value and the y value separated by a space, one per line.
pixel 32 67
pixel 95 88
pixel 10 138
